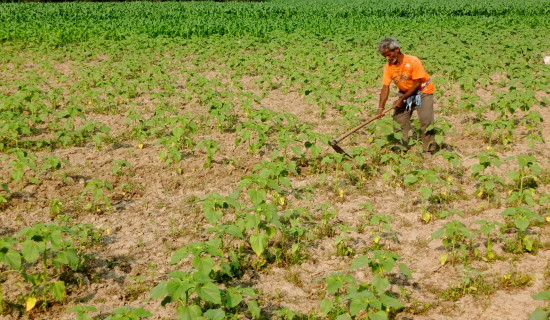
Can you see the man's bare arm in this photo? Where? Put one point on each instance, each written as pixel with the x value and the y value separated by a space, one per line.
pixel 412 90
pixel 384 93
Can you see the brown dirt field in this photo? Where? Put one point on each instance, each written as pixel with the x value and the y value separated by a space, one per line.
pixel 160 214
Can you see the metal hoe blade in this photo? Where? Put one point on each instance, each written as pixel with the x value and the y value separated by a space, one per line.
pixel 339 149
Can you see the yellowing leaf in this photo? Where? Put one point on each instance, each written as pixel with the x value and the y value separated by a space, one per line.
pixel 282 201
pixel 108 231
pixel 426 217
pixel 443 259
pixel 341 192
pixel 140 146
pixel 548 219
pixel 31 302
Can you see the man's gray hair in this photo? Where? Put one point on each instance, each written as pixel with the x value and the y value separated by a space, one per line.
pixel 388 43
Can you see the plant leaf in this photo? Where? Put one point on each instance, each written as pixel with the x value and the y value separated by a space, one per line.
pixel 209 292
pixel 359 262
pixel 192 312
pixel 326 306
pixel 258 242
pixel 57 290
pixel 539 314
pixel 215 314
pixel 30 250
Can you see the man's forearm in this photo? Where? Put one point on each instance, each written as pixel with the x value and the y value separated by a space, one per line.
pixel 384 93
pixel 411 91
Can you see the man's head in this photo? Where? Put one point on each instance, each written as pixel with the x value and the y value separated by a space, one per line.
pixel 390 49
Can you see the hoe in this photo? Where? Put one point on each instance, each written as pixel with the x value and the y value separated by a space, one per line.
pixel 334 143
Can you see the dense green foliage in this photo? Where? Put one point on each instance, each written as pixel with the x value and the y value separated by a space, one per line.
pixel 70 22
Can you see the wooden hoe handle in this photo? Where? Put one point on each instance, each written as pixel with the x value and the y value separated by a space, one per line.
pixel 345 135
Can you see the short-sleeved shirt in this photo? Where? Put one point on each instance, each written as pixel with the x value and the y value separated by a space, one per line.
pixel 402 75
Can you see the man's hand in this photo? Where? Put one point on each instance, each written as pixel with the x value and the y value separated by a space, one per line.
pixel 398 103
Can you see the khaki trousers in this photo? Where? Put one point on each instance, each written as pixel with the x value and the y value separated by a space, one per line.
pixel 426 117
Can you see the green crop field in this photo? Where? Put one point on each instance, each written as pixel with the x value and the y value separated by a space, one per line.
pixel 172 160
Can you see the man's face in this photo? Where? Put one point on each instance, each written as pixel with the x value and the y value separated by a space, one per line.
pixel 391 55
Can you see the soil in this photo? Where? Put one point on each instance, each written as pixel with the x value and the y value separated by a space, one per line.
pixel 160 212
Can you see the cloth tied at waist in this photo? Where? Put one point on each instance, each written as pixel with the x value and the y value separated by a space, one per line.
pixel 416 97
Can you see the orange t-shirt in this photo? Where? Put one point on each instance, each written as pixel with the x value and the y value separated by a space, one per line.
pixel 403 75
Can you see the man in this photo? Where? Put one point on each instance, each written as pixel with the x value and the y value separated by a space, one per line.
pixel 415 92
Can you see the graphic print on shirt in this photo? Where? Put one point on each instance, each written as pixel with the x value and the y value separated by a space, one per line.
pixel 403 76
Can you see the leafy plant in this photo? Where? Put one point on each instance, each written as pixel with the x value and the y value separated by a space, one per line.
pixel 458 239
pixel 540 313
pixel 53 247
pixel 525 180
pixel 486 229
pixel 487 183
pixel 522 218
pixel 120 166
pixel 97 189
pixel 373 299
pixel 211 147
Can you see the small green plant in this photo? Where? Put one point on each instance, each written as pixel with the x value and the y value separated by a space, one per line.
pixel 472 282
pixel 123 313
pixel 487 228
pixel 458 239
pixel 540 313
pixel 343 249
pixel 56 207
pixel 521 218
pixel 120 166
pixel 374 299
pixel 82 312
pixel 525 180
pixel 40 254
pixel 428 181
pixel 97 189
pixel 99 138
pixel 514 279
pixel 487 183
pixel 325 226
pixel 211 148
pixel 129 313
pixel 210 301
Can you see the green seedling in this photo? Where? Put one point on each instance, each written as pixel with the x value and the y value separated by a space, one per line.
pixel 487 183
pixel 428 180
pixel 211 148
pixel 351 297
pixel 129 313
pixel 540 313
pixel 472 282
pixel 343 249
pixel 56 207
pixel 44 250
pixel 97 189
pixel 196 294
pixel 526 180
pixel 82 312
pixel 99 138
pixel 487 228
pixel 522 218
pixel 120 166
pixel 533 123
pixel 458 239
